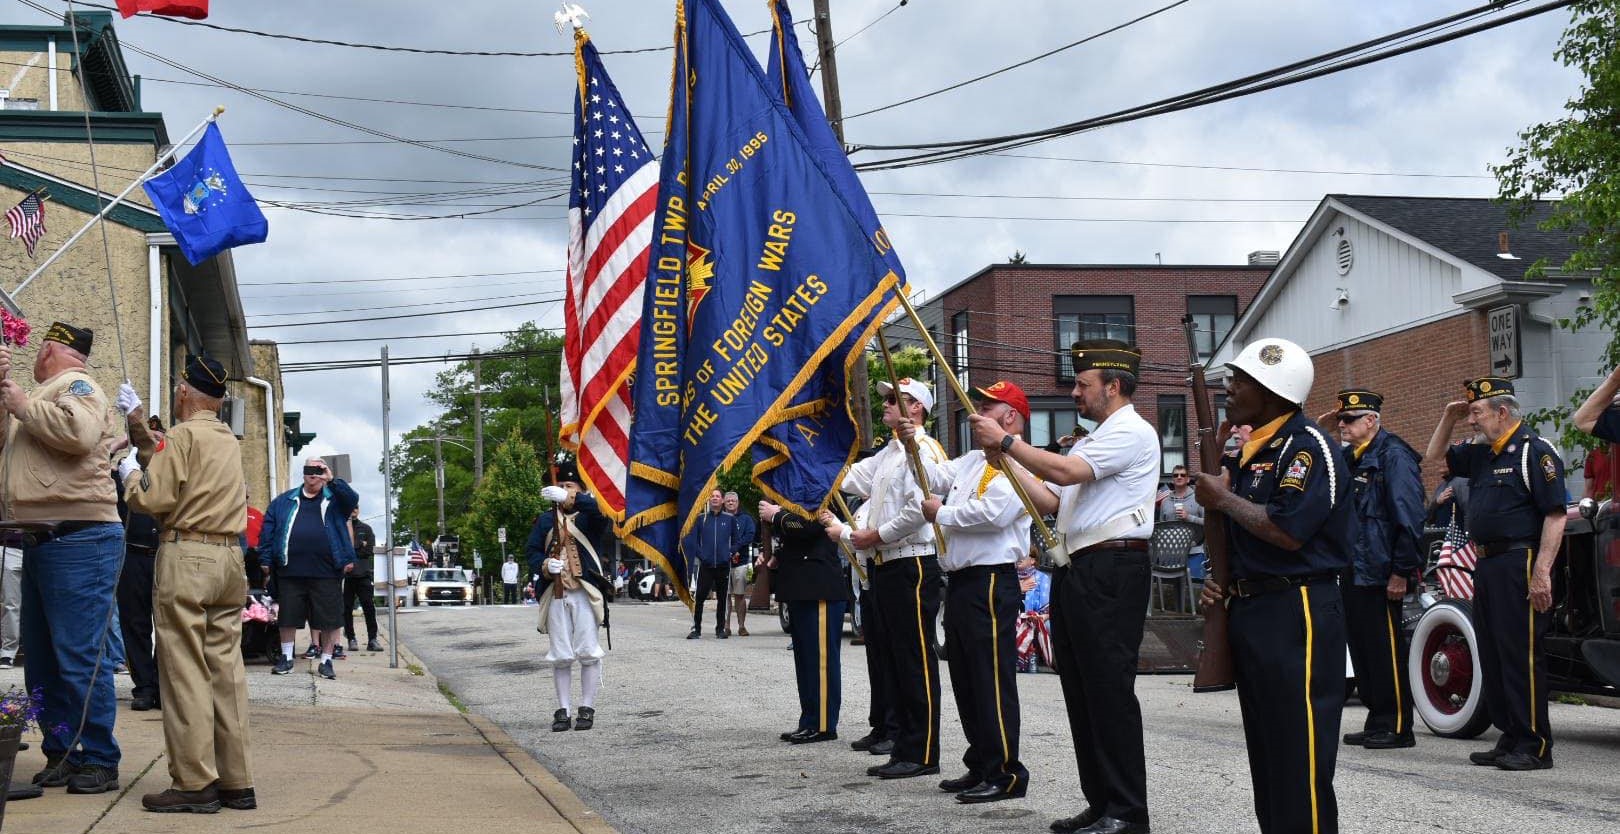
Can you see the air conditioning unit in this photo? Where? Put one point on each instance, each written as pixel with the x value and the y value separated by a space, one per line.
pixel 233 413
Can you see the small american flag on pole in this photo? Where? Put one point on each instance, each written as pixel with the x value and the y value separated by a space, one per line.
pixel 610 225
pixel 1455 563
pixel 27 220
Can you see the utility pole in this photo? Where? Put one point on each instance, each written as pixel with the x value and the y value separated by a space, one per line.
pixel 834 106
pixel 388 521
pixel 478 420
pixel 438 476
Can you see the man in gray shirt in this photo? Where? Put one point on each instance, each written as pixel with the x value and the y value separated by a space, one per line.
pixel 1180 504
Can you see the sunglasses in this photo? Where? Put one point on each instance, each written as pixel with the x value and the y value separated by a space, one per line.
pixel 1178 475
pixel 1349 418
pixel 890 400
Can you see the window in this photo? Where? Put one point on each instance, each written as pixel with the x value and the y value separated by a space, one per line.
pixel 964 436
pixel 1090 317
pixel 1172 432
pixel 1047 425
pixel 959 339
pixel 1214 316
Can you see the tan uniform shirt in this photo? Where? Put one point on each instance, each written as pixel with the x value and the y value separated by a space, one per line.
pixel 195 484
pixel 56 464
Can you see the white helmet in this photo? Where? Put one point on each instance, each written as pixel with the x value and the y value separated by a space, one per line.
pixel 1280 366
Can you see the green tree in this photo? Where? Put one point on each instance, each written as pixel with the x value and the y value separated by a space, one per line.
pixel 509 497
pixel 519 378
pixel 1578 156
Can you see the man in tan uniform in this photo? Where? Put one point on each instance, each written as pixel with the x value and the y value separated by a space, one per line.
pixel 54 483
pixel 193 487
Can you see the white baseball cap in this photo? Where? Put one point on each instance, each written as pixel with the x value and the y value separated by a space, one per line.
pixel 918 391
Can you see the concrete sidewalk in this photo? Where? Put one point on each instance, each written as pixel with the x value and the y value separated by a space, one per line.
pixel 377 750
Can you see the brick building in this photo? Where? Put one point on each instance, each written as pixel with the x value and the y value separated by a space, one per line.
pixel 1016 321
pixel 1396 294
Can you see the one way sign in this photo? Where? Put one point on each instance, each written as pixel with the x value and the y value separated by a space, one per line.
pixel 1503 330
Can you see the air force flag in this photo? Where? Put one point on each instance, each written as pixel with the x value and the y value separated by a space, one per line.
pixel 204 203
pixel 767 270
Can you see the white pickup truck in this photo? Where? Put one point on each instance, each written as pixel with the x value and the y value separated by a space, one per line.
pixel 443 586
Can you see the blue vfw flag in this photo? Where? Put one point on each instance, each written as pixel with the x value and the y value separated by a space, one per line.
pixel 762 275
pixel 204 203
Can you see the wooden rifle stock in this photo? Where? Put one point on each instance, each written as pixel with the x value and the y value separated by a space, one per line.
pixel 1215 672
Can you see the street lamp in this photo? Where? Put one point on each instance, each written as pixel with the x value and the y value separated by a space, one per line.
pixel 438 465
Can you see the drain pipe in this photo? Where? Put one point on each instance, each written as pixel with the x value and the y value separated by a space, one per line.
pixel 269 432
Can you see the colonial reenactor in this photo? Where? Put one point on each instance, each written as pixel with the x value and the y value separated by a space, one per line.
pixel 193 487
pixel 810 582
pixel 1291 519
pixel 573 593
pixel 1516 520
pixel 54 480
pixel 1599 416
pixel 1384 559
pixel 1102 490
pixel 988 532
pixel 905 578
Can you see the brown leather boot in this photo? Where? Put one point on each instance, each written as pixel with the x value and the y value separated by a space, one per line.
pixel 205 801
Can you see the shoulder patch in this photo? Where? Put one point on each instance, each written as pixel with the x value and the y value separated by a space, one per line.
pixel 80 388
pixel 1299 468
pixel 1548 468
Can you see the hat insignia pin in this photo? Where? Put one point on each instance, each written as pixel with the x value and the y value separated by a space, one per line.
pixel 1271 354
pixel 1355 399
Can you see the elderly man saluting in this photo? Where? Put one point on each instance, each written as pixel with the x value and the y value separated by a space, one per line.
pixel 194 489
pixel 306 537
pixel 53 475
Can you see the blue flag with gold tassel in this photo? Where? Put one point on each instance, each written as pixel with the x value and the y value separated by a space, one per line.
pixel 763 277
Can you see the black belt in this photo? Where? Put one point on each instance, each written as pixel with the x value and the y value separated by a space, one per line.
pixel 1245 588
pixel 64 528
pixel 1499 548
pixel 1113 544
pixel 983 570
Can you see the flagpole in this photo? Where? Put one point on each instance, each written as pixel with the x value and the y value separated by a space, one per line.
pixel 917 468
pixel 115 202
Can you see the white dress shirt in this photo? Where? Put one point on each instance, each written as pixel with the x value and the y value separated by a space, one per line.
pixel 1124 455
pixel 886 481
pixel 983 520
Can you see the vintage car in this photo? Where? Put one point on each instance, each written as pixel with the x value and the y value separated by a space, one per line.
pixel 1582 644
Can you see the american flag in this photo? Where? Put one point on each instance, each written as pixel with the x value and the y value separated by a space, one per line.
pixel 1456 551
pixel 417 551
pixel 610 219
pixel 27 220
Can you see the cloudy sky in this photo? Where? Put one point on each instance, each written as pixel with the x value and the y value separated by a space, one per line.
pixel 1427 123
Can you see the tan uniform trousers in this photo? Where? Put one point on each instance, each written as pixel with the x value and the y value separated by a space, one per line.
pixel 197 596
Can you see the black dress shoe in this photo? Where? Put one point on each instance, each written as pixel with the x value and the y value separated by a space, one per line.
pixel 561 722
pixel 586 719
pixel 1069 825
pixel 1485 758
pixel 960 783
pixel 1523 761
pixel 142 703
pixel 988 792
pixel 814 736
pixel 865 742
pixel 1113 825
pixel 906 770
pixel 1389 741
pixel 694 634
pixel 1356 739
pixel 23 791
pixel 882 748
pixel 877 768
pixel 788 736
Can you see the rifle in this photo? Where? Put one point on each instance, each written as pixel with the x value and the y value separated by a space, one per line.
pixel 1215 672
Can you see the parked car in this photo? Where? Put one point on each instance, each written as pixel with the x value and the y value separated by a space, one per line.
pixel 443 586
pixel 1582 645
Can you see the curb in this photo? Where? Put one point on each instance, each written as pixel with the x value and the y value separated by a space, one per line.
pixel 567 804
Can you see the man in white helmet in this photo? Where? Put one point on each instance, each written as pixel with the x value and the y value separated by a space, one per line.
pixel 1287 495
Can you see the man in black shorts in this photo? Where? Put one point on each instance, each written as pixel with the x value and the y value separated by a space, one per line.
pixel 305 540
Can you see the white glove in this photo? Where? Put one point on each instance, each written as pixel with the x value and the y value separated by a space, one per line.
pixel 127 399
pixel 554 566
pixel 128 465
pixel 554 494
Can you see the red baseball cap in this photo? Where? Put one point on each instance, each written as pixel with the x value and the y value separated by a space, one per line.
pixel 1006 392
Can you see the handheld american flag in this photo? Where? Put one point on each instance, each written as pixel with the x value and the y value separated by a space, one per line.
pixel 27 221
pixel 1455 564
pixel 610 212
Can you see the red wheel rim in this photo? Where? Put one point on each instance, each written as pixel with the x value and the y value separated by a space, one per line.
pixel 1448 669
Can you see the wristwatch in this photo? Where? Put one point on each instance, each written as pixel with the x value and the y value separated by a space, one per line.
pixel 1007 442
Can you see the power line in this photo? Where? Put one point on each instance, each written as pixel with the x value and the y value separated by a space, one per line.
pixel 550 297
pixel 1173 220
pixel 1246 169
pixel 444 105
pixel 411 336
pixel 1025 62
pixel 387 47
pixel 1330 63
pixel 335 281
pixel 401 316
pixel 1104 199
pixel 368 292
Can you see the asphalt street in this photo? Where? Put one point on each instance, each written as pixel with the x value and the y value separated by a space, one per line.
pixel 686 740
